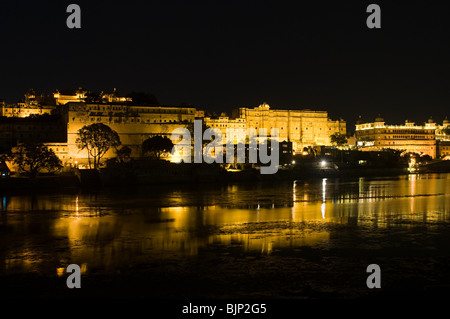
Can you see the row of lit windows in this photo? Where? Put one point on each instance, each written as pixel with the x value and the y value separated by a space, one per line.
pixel 306 128
pixel 99 119
pixel 141 110
pixel 23 110
pixel 172 111
pixel 410 146
pixel 410 137
pixel 400 137
pixel 395 143
pixel 224 125
pixel 407 131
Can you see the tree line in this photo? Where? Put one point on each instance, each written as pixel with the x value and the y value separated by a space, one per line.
pixel 97 139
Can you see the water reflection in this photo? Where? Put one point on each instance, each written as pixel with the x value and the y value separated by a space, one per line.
pixel 108 230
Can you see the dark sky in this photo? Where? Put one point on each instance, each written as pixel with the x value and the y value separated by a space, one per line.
pixel 219 55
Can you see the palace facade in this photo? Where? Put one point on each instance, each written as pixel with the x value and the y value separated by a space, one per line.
pixel 30 105
pixel 134 122
pixel 301 127
pixel 409 137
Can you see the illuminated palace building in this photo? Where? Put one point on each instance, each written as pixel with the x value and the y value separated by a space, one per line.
pixel 427 139
pixel 136 122
pixel 133 123
pixel 72 109
pixel 30 105
pixel 301 127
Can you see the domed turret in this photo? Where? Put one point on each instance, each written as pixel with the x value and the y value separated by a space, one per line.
pixel 379 118
pixel 264 105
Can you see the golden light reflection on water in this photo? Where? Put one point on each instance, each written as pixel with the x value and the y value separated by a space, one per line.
pixel 105 231
pixel 62 271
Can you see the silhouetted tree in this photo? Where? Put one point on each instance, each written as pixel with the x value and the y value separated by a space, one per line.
pixel 156 146
pixel 97 139
pixel 338 139
pixel 123 154
pixel 93 97
pixel 32 158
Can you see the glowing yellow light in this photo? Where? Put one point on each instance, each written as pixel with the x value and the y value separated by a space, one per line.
pixel 60 271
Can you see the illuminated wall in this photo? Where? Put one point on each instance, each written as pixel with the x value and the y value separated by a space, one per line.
pixel 224 122
pixel 409 137
pixel 22 110
pixel 302 127
pixel 134 124
pixel 66 96
pixel 444 149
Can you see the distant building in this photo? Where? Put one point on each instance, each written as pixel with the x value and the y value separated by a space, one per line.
pixel 114 97
pixel 443 149
pixel 443 131
pixel 76 108
pixel 301 127
pixel 65 96
pixel 30 105
pixel 377 135
pixel 199 114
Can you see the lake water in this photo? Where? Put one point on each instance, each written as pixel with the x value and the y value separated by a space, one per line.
pixel 316 233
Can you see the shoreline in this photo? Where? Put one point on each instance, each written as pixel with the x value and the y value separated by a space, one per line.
pixel 90 179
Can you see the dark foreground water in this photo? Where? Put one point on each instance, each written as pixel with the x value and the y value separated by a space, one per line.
pixel 302 239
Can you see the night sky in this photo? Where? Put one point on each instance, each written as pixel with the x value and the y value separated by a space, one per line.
pixel 219 55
